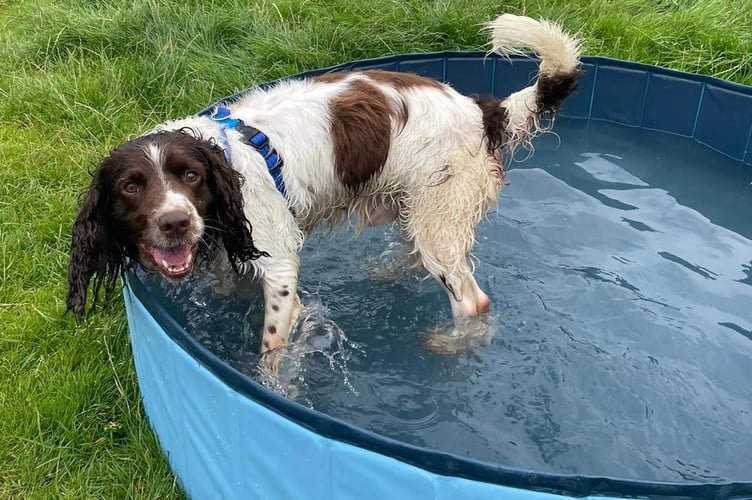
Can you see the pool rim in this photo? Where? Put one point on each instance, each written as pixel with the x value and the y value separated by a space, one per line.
pixel 437 462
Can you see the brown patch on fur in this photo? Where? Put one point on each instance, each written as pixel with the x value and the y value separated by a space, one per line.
pixel 398 80
pixel 403 81
pixel 494 122
pixel 553 89
pixel 361 133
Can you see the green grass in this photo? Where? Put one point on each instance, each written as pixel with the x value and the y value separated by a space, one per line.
pixel 76 78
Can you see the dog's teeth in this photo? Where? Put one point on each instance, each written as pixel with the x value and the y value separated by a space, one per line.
pixel 176 269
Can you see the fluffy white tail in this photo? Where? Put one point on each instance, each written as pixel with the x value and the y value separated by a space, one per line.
pixel 557 77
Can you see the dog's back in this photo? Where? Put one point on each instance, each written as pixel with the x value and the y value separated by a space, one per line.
pixel 371 142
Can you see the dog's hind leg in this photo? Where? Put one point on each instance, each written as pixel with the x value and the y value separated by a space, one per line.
pixel 440 220
pixel 449 264
pixel 279 279
pixel 468 302
pixel 445 255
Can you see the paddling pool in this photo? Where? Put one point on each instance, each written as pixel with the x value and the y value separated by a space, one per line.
pixel 667 297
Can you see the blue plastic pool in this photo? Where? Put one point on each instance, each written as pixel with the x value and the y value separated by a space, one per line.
pixel 227 436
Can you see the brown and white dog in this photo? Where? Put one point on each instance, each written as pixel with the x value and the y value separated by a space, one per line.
pixel 376 145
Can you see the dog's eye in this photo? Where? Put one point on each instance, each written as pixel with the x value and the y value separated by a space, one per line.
pixel 191 176
pixel 131 188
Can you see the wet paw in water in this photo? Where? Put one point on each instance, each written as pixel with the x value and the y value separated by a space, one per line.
pixel 462 335
pixel 284 370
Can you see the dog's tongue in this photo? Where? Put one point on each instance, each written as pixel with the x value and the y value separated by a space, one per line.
pixel 175 260
pixel 174 256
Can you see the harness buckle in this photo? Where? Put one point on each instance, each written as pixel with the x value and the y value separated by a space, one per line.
pixel 220 113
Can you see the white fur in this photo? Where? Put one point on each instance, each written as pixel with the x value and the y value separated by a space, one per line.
pixel 438 181
pixel 559 52
pixel 156 157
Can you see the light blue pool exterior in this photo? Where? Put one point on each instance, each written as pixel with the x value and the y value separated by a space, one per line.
pixel 225 436
pixel 222 444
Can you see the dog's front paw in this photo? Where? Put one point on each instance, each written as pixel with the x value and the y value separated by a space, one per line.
pixel 275 372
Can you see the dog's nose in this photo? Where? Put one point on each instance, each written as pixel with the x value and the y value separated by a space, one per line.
pixel 174 223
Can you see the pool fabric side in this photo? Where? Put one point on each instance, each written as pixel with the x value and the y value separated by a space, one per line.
pixel 225 436
pixel 222 444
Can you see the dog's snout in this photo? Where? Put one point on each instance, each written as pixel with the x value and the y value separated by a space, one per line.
pixel 174 223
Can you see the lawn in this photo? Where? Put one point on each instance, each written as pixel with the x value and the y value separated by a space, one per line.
pixel 77 78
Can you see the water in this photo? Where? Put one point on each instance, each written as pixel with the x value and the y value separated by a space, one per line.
pixel 619 266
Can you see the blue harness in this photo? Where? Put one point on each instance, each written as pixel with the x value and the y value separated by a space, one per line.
pixel 254 138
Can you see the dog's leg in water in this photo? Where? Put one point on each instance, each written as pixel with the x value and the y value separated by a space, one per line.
pixel 471 326
pixel 281 302
pixel 440 220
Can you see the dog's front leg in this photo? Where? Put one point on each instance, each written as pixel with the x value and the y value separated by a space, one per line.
pixel 281 302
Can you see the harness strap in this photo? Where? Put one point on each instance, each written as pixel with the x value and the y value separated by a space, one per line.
pixel 254 138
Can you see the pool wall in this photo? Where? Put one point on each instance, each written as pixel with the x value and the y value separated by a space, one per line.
pixel 225 436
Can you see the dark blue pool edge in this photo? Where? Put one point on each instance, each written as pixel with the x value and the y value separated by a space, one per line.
pixel 431 460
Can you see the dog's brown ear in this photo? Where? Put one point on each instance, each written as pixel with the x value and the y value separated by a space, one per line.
pixel 95 257
pixel 228 220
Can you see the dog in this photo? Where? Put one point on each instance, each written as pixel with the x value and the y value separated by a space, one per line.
pixel 248 182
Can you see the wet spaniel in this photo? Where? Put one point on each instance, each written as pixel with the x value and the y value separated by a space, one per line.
pixel 250 181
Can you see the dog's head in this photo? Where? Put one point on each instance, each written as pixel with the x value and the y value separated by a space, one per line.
pixel 162 200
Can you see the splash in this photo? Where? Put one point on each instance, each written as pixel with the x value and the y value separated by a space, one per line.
pixel 318 348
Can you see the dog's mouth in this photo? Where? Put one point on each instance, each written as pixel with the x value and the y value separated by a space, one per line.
pixel 175 262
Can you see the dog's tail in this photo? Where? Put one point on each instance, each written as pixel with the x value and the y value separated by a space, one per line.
pixel 516 119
